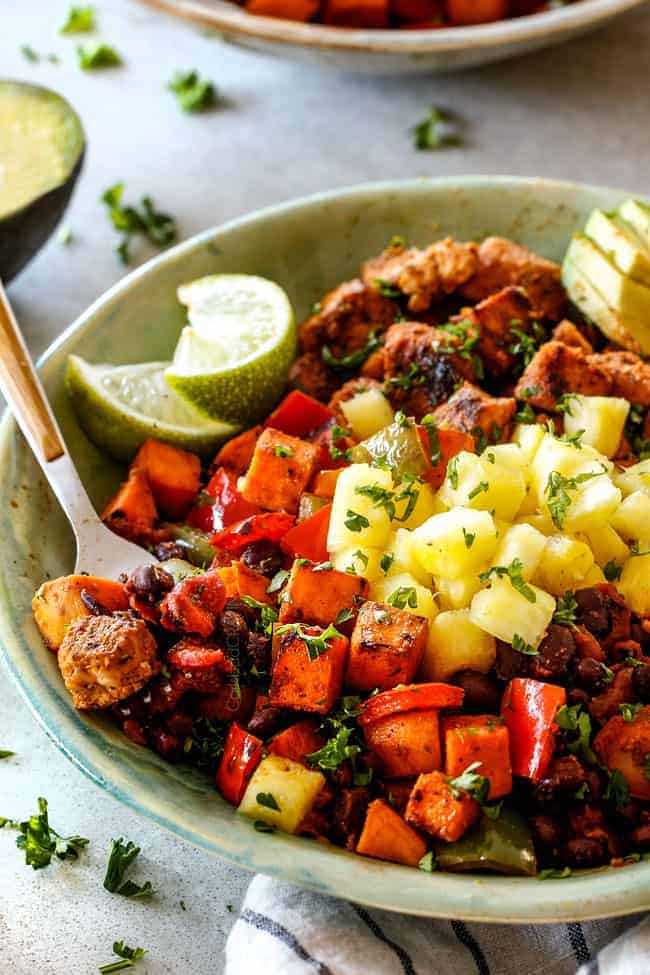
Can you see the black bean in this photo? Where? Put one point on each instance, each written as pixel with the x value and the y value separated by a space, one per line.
pixel 510 663
pixel 546 830
pixel 149 582
pixel 555 656
pixel 234 628
pixel 589 674
pixel 482 693
pixel 93 605
pixel 263 556
pixel 585 852
pixel 169 550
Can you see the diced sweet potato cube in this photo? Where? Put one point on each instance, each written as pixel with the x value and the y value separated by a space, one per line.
pixel 237 454
pixel 280 470
pixel 433 807
pixel 319 596
pixel 625 746
pixel 324 484
pixel 297 741
pixel 173 475
pixel 386 836
pixel 406 744
pixel 134 503
pixel 303 684
pixel 58 603
pixel 386 648
pixel 240 580
pixel 480 738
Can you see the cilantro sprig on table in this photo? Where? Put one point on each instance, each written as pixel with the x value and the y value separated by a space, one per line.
pixel 120 858
pixel 193 93
pixel 157 227
pixel 40 841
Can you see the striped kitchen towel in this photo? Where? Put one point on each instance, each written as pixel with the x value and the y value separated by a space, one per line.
pixel 283 930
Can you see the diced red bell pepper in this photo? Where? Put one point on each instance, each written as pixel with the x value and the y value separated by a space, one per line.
pixel 192 656
pixel 270 526
pixel 241 755
pixel 299 415
pixel 228 507
pixel 308 539
pixel 411 697
pixel 230 702
pixel 332 452
pixel 529 708
pixel 450 442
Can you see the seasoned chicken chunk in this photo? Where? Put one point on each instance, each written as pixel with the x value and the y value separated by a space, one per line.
pixel 500 321
pixel 346 317
pixel 501 262
pixel 426 275
pixel 556 369
pixel 310 374
pixel 104 659
pixel 471 410
pixel 629 375
pixel 570 334
pixel 421 366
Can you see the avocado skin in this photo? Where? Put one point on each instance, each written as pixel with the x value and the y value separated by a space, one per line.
pixel 23 233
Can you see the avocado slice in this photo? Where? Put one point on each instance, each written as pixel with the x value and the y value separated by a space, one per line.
pixel 41 147
pixel 593 306
pixel 620 243
pixel 637 215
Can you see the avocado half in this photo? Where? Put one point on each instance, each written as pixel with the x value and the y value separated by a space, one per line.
pixel 41 153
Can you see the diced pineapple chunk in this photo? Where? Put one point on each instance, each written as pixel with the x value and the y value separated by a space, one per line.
pixel 521 542
pixel 475 482
pixel 361 561
pixel 400 557
pixel 632 517
pixel 507 455
pixel 634 584
pixel 540 520
pixel 351 510
pixel 594 577
pixel 290 786
pixel 607 545
pixel 457 593
pixel 600 418
pixel 528 436
pixel 420 498
pixel 454 644
pixel 367 413
pixel 456 542
pixel 634 478
pixel 563 565
pixel 592 503
pixel 505 613
pixel 554 455
pixel 405 592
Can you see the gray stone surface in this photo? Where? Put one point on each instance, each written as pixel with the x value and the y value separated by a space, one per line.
pixel 578 112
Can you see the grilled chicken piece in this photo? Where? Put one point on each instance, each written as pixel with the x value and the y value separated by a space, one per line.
pixel 421 368
pixel 501 262
pixel 556 369
pixel 345 319
pixel 310 374
pixel 471 410
pixel 104 659
pixel 570 334
pixel 494 319
pixel 629 375
pixel 425 276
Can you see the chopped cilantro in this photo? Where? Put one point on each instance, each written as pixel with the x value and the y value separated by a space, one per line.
pixel 571 718
pixel 386 289
pixel 40 841
pixel 629 711
pixel 158 228
pixel 268 800
pixel 468 537
pixel 414 377
pixel 263 827
pixel 612 571
pixel 193 92
pixel 355 522
pixel 4 753
pixel 526 414
pixel 557 491
pixel 435 450
pixel 402 597
pixel 281 451
pixel 514 573
pixel 278 581
pixel 386 562
pixel 344 742
pixel 608 673
pixel 97 54
pixel 120 857
pixel 552 873
pixel 520 645
pixel 617 790
pixel 353 361
pixel 316 644
pixel 80 20
pixel 128 957
pixel 435 131
pixel 428 862
pixel 563 404
pixel 452 472
pixel 481 488
pixel 565 610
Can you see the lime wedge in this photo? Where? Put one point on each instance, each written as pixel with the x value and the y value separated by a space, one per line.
pixel 119 407
pixel 233 359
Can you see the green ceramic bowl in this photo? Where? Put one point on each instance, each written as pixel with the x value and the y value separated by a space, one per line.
pixel 307 246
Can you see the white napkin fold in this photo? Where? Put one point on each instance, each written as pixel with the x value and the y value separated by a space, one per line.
pixel 283 929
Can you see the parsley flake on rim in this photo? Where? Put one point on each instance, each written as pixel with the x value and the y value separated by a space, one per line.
pixel 428 862
pixel 553 873
pixel 128 957
pixel 194 93
pixel 120 857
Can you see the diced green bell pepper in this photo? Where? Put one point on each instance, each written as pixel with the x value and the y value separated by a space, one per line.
pixel 197 547
pixel 399 447
pixel 502 845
